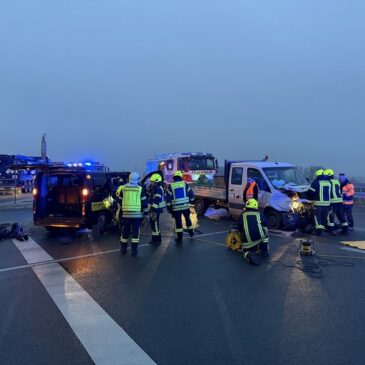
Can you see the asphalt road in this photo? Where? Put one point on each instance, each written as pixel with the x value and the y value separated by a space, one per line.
pixel 198 303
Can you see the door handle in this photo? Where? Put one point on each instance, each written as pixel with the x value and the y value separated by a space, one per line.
pixel 231 189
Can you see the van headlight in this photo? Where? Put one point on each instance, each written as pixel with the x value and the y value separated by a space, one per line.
pixel 296 206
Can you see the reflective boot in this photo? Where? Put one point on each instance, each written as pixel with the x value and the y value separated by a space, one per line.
pixel 179 237
pixel 252 258
pixel 123 248
pixel 134 249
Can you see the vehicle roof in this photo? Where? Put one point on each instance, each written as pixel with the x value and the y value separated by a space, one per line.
pixel 163 156
pixel 262 164
pixel 82 171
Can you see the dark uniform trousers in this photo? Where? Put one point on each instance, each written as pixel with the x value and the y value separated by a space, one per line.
pixel 348 214
pixel 155 227
pixel 337 210
pixel 320 217
pixel 130 224
pixel 177 215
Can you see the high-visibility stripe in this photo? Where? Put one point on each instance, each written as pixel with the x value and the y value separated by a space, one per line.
pixel 245 226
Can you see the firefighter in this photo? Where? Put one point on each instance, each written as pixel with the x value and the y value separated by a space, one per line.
pixel 254 232
pixel 348 192
pixel 319 193
pixel 251 190
pixel 336 206
pixel 179 195
pixel 156 203
pixel 134 206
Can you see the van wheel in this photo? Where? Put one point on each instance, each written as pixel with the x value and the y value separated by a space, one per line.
pixel 101 223
pixel 201 206
pixel 274 219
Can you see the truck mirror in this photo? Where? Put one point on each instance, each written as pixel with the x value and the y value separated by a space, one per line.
pixel 216 165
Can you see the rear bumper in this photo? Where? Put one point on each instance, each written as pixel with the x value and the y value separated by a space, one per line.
pixel 60 222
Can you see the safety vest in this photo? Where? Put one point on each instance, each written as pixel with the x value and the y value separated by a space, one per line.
pixel 157 200
pixel 253 230
pixel 250 191
pixel 180 199
pixel 348 192
pixel 322 193
pixel 131 201
pixel 336 196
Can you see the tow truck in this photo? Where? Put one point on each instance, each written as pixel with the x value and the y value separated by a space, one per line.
pixel 197 167
pixel 282 192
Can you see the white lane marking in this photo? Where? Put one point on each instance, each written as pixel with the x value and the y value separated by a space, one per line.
pixel 64 259
pixel 279 233
pixel 210 234
pixel 197 238
pixel 104 340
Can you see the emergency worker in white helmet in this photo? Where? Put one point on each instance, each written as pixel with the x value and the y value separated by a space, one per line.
pixel 134 205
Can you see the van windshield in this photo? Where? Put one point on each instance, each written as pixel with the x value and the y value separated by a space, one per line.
pixel 280 176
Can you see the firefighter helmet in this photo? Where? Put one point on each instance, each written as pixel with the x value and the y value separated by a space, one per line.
pixel 134 177
pixel 252 203
pixel 178 173
pixel 156 178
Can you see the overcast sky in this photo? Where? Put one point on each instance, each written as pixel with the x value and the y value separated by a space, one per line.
pixel 119 81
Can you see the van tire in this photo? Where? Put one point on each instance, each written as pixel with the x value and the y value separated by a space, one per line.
pixel 274 219
pixel 201 206
pixel 102 223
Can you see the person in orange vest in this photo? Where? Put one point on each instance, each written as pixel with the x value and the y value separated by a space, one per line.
pixel 348 192
pixel 251 190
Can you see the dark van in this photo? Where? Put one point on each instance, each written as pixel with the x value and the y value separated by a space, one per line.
pixel 73 198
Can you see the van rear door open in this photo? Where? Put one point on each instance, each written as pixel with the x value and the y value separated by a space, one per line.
pixel 59 197
pixel 63 195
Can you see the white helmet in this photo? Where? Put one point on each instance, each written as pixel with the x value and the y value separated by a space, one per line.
pixel 134 177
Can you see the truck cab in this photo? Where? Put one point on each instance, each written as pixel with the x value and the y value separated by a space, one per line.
pixel 197 167
pixel 281 191
pixel 281 186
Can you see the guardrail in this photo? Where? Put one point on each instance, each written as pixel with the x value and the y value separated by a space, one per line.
pixel 359 190
pixel 8 185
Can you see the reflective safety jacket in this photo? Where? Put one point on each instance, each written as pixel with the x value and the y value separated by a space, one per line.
pixel 320 192
pixel 179 195
pixel 250 191
pixel 133 200
pixel 253 227
pixel 156 200
pixel 335 196
pixel 348 192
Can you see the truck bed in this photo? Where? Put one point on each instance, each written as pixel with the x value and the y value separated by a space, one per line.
pixel 209 192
